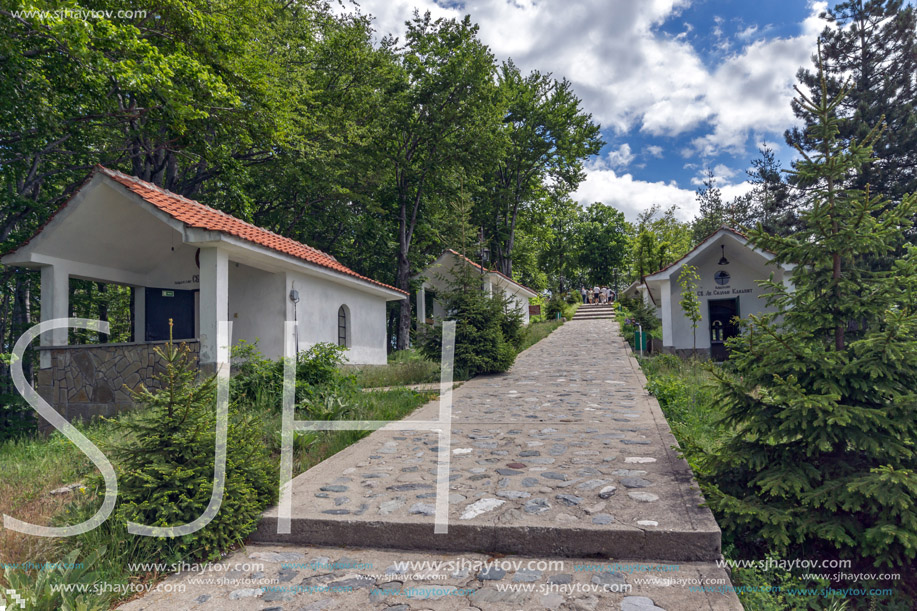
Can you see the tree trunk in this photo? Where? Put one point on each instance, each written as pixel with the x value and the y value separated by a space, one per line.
pixel 103 309
pixel 404 313
pixel 510 242
pixel 21 314
pixel 403 277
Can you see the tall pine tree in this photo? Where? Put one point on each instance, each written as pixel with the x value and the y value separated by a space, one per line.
pixel 773 207
pixel 822 401
pixel 870 46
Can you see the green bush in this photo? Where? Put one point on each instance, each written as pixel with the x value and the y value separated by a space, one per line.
pixel 259 381
pixel 487 331
pixel 641 313
pixel 672 393
pixel 165 466
pixel 513 327
pixel 17 419
pixel 556 305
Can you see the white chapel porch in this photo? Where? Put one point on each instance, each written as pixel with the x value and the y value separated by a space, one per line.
pixel 192 265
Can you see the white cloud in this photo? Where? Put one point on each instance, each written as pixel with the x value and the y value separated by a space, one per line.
pixel 654 151
pixel 750 93
pixel 723 173
pixel 748 32
pixel 632 196
pixel 618 158
pixel 631 75
pixel 730 192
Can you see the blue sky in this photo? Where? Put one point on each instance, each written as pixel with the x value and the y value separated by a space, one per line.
pixel 677 85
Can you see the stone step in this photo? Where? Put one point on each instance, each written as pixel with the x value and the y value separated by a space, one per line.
pixel 602 314
pixel 311 577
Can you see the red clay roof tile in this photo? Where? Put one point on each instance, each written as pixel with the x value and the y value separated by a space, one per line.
pixel 197 215
pixel 492 271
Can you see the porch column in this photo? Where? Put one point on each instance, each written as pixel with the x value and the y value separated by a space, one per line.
pixel 55 303
pixel 421 307
pixel 214 274
pixel 139 314
pixel 665 300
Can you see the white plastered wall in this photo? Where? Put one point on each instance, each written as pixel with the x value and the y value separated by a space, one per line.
pixel 741 285
pixel 317 314
pixel 257 308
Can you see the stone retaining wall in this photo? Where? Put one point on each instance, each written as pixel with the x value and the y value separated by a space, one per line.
pixel 96 379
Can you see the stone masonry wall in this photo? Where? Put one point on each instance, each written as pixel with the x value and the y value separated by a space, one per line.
pixel 90 380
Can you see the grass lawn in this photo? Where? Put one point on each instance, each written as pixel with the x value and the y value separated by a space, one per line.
pixel 404 367
pixel 686 396
pixel 29 470
pixel 538 331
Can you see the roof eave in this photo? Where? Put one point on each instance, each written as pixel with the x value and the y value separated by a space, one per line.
pixel 203 237
pixel 666 272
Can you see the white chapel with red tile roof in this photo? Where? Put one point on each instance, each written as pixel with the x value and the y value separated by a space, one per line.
pixel 197 266
pixel 437 276
pixel 729 268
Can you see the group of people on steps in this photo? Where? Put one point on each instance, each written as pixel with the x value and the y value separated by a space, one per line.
pixel 598 294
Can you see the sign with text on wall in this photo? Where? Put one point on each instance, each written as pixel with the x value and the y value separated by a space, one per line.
pixel 722 287
pixel 722 291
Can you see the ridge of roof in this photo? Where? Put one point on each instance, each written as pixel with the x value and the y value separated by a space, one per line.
pixel 699 245
pixel 491 271
pixel 200 216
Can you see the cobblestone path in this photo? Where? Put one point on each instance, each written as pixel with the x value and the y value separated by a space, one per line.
pixel 563 458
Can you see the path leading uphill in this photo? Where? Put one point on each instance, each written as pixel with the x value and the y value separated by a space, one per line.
pixel 564 458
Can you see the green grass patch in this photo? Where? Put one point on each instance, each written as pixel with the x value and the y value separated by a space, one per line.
pixel 404 367
pixel 311 448
pixel 538 331
pixel 685 394
pixel 31 467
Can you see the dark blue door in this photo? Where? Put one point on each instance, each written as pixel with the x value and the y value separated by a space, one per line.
pixel 163 304
pixel 722 326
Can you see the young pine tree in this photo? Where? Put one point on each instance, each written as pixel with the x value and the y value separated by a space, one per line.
pixel 487 330
pixel 689 302
pixel 166 465
pixel 824 401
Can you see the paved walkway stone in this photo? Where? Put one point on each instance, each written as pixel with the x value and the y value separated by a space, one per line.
pixel 532 451
pixel 337 579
